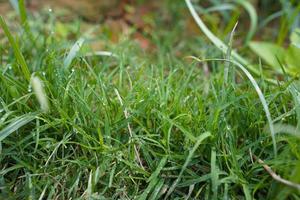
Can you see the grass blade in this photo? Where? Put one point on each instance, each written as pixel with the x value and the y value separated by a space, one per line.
pixel 16 48
pixel 22 11
pixel 187 161
pixel 160 166
pixel 216 41
pixel 73 52
pixel 15 125
pixel 228 69
pixel 157 189
pixel 253 18
pixel 147 191
pixel 214 174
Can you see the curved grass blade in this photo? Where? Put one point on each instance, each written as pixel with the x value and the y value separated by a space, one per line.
pixel 216 41
pixel 253 18
pixel 16 124
pixel 16 48
pixel 216 8
pixel 286 128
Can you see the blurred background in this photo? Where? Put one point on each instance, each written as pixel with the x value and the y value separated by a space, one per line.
pixel 163 21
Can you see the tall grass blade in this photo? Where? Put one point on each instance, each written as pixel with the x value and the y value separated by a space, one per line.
pixel 17 51
pixel 22 11
pixel 227 69
pixel 214 174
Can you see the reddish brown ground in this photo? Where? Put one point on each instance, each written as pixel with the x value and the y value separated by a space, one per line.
pixel 119 15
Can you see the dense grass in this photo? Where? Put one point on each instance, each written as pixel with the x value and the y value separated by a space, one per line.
pixel 138 125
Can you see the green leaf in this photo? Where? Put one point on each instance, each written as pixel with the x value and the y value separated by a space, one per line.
pixel 269 52
pixel 295 37
pixel 15 125
pixel 292 58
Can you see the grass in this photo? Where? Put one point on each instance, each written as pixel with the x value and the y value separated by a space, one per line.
pixel 140 125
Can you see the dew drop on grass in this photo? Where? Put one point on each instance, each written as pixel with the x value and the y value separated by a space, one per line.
pixel 44 73
pixel 73 70
pixel 29 89
pixel 50 10
pixel 228 128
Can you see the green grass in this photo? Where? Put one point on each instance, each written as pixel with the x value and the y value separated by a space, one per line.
pixel 193 133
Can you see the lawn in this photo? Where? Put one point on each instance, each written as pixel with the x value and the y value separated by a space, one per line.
pixel 188 100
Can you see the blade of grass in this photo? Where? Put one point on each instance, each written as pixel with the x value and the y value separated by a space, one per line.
pixel 214 174
pixel 227 69
pixel 22 11
pixel 16 124
pixel 17 51
pixel 73 52
pixel 187 161
pixel 157 189
pixel 216 41
pixel 147 191
pixel 160 166
pixel 253 19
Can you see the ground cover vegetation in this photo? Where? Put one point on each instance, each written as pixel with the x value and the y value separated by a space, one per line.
pixel 198 100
